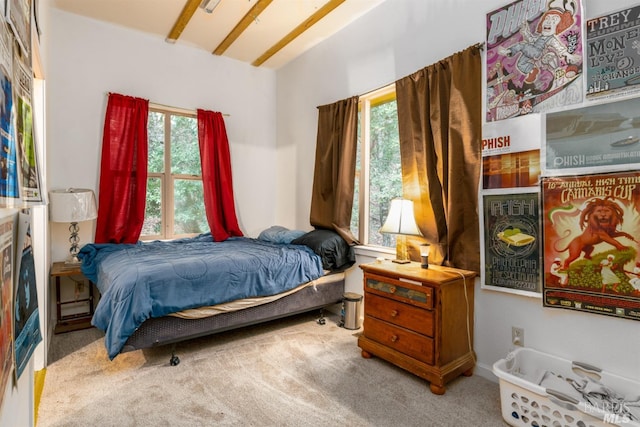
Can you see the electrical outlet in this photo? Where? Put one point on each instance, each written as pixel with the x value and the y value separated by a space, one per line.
pixel 517 336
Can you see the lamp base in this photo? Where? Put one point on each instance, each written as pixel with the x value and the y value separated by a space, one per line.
pixel 72 260
pixel 402 255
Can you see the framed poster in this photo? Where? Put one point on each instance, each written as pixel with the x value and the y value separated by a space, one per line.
pixel 9 189
pixel 29 170
pixel 19 18
pixel 6 297
pixel 26 328
pixel 613 53
pixel 511 252
pixel 603 135
pixel 591 233
pixel 534 57
pixel 511 153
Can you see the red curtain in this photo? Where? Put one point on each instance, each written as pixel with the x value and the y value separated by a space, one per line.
pixel 216 176
pixel 123 170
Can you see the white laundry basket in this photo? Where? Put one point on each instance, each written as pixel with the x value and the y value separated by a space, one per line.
pixel 525 402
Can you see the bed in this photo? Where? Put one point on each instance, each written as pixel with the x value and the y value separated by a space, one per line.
pixel 164 292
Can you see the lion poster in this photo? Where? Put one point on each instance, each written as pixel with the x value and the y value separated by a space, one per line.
pixel 591 232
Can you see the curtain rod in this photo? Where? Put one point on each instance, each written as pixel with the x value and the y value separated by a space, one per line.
pixel 176 109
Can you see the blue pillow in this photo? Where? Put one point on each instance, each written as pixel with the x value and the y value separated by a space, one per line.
pixel 278 234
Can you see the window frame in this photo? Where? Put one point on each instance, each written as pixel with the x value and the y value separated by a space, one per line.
pixel 168 179
pixel 365 103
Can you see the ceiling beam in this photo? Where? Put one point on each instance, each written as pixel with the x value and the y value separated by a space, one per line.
pixel 308 23
pixel 250 16
pixel 185 16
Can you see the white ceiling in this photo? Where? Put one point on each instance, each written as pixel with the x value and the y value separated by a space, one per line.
pixel 263 33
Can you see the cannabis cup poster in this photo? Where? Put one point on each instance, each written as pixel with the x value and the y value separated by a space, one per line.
pixel 590 226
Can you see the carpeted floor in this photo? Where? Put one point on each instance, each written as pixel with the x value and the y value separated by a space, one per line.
pixel 291 372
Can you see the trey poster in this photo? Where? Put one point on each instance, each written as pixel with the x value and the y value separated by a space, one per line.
pixel 534 57
pixel 613 54
pixel 591 230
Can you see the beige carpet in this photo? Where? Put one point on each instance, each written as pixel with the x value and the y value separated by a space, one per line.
pixel 291 372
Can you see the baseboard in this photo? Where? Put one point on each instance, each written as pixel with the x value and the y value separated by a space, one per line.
pixel 485 371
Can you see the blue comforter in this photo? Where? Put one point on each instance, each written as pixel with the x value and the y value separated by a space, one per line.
pixel 153 279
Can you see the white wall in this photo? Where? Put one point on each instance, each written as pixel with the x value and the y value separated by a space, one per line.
pixel 392 41
pixel 88 59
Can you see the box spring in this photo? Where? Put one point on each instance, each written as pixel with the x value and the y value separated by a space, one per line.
pixel 167 330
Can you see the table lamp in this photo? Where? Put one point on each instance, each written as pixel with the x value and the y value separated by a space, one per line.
pixel 72 205
pixel 401 221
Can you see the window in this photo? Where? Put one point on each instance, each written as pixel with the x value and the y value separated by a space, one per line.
pixel 175 201
pixel 378 176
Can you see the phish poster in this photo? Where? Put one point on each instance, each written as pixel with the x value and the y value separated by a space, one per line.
pixel 613 53
pixel 511 153
pixel 602 135
pixel 591 261
pixel 512 243
pixel 534 57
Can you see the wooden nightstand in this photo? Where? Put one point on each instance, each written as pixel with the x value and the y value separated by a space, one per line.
pixel 419 319
pixel 75 321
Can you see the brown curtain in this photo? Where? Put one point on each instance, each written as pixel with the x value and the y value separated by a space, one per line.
pixel 439 120
pixel 334 174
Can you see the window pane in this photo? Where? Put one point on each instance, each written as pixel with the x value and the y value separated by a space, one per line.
pixel 152 225
pixel 385 176
pixel 185 154
pixel 155 130
pixel 188 205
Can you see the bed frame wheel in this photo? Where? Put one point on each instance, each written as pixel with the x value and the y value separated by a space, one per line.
pixel 321 320
pixel 175 360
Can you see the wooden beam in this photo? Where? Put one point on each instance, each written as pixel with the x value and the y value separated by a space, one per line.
pixel 250 16
pixel 188 10
pixel 308 23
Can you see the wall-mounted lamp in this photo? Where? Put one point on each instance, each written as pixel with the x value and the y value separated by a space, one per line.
pixel 401 221
pixel 72 205
pixel 209 5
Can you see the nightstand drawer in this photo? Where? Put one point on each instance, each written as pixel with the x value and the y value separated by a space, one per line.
pixel 410 343
pixel 409 317
pixel 402 291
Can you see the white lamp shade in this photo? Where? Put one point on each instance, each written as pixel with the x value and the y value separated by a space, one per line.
pixel 401 219
pixel 72 205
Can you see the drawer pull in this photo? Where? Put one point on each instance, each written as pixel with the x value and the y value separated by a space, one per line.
pixel 394 338
pixel 394 313
pixel 392 289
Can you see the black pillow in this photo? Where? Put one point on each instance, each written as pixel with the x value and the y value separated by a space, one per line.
pixel 335 252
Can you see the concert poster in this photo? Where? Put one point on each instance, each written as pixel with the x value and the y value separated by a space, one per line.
pixel 591 229
pixel 511 252
pixel 511 153
pixel 26 325
pixel 6 293
pixel 605 135
pixel 9 188
pixel 613 53
pixel 534 57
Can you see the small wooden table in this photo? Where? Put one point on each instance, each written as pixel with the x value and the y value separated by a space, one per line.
pixel 71 322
